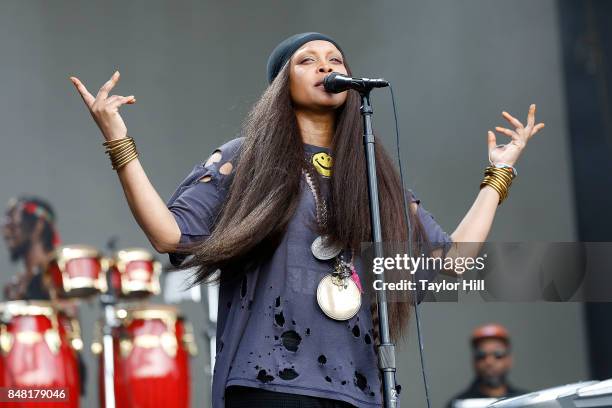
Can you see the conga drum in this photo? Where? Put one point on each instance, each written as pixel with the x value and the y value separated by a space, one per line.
pixel 36 353
pixel 67 315
pixel 135 273
pixel 152 347
pixel 77 271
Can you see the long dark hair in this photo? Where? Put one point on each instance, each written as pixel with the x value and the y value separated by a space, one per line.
pixel 264 193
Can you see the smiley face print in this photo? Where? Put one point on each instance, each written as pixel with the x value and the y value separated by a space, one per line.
pixel 322 163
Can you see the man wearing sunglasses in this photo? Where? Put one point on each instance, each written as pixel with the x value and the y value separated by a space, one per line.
pixel 492 362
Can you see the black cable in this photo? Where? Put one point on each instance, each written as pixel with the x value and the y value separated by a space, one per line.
pixel 416 305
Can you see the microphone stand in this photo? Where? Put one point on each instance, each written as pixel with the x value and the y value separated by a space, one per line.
pixel 386 349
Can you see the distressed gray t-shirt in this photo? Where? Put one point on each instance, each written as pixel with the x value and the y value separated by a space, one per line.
pixel 271 333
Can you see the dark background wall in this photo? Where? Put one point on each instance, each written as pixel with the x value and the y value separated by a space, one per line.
pixel 197 66
pixel 587 61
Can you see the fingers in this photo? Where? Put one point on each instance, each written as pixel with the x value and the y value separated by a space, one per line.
pixel 116 101
pixel 506 132
pixel 87 97
pixel 108 85
pixel 491 142
pixel 537 128
pixel 531 115
pixel 111 99
pixel 513 121
pixel 114 98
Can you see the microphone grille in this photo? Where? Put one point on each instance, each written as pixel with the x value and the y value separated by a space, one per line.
pixel 329 82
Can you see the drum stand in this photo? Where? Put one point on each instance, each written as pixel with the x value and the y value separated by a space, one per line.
pixel 108 301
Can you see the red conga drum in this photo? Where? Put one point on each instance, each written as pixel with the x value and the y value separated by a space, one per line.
pixel 135 273
pixel 67 316
pixel 152 348
pixel 77 271
pixel 36 353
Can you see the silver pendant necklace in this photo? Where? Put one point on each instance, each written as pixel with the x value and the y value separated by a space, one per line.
pixel 322 248
pixel 338 292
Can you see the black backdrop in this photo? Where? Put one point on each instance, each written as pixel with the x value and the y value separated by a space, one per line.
pixel 587 52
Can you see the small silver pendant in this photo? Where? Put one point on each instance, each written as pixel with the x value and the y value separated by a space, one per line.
pixel 322 250
pixel 339 299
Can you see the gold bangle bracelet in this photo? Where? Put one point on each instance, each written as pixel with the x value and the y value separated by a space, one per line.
pixel 123 153
pixel 499 179
pixel 503 178
pixel 125 161
pixel 123 156
pixel 115 142
pixel 121 165
pixel 120 146
pixel 120 151
pixel 499 183
pixel 501 172
pixel 506 181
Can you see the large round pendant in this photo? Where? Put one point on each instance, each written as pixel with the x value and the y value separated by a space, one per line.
pixel 322 250
pixel 339 299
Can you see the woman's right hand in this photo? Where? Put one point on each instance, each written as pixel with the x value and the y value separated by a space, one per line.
pixel 105 109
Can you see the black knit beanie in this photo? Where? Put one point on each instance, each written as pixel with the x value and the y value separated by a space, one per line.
pixel 283 51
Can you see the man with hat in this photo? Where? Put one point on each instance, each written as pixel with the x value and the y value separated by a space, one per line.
pixel 30 236
pixel 492 362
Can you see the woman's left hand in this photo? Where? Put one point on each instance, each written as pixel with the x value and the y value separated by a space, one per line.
pixel 509 153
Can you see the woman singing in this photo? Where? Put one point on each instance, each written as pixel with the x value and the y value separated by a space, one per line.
pixel 281 211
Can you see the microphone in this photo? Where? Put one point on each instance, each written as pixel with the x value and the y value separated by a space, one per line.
pixel 336 83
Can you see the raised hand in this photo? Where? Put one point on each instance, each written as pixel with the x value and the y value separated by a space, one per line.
pixel 105 109
pixel 509 153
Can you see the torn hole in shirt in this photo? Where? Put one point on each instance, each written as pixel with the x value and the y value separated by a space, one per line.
pixel 226 168
pixel 214 158
pixel 206 179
